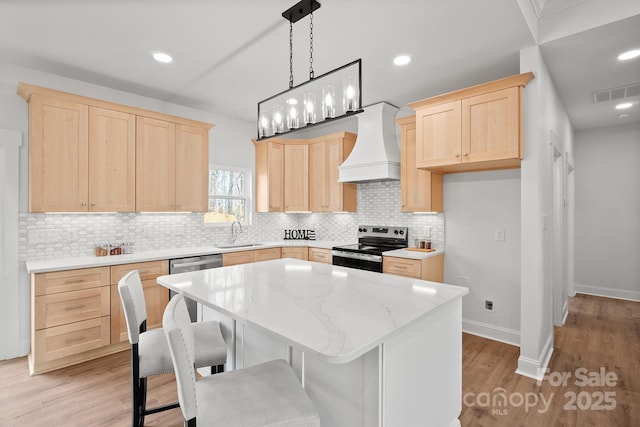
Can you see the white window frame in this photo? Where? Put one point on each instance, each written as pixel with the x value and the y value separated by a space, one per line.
pixel 248 196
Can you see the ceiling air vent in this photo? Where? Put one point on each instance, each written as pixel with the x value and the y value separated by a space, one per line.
pixel 616 93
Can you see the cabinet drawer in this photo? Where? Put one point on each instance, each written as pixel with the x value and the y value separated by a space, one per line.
pixel 267 254
pixel 235 258
pixel 70 280
pixel 402 266
pixel 297 253
pixel 148 270
pixel 320 255
pixel 68 307
pixel 67 340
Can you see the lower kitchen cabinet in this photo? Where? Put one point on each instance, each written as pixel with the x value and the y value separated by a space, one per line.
pixel 156 297
pixel 236 258
pixel 267 254
pixel 431 268
pixel 295 252
pixel 70 318
pixel 320 255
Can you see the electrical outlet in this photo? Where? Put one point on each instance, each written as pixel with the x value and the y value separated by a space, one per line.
pixel 427 232
pixel 488 305
pixel 498 235
pixel 71 235
pixel 36 236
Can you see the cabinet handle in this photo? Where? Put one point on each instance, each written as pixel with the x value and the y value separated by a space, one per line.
pixel 466 154
pixel 92 204
pixel 74 307
pixel 72 340
pixel 457 155
pixel 143 272
pixel 83 204
pixel 401 267
pixel 71 282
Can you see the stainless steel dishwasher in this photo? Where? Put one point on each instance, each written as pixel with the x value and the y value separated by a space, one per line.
pixel 182 265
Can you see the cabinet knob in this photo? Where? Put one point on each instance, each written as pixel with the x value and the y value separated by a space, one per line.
pixel 466 154
pixel 83 204
pixel 92 204
pixel 457 155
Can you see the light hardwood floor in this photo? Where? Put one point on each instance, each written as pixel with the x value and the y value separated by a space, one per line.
pixel 599 332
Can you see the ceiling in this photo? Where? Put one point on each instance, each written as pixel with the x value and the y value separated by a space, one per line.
pixel 229 54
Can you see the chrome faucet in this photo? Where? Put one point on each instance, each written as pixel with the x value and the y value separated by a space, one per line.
pixel 234 231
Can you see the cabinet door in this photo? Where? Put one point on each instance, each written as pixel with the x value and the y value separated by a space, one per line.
pixel 318 178
pixel 297 253
pixel 336 191
pixel 269 177
pixel 58 155
pixel 438 135
pixel 155 165
pixel 296 177
pixel 420 190
pixel 192 169
pixel 112 157
pixel 320 255
pixel 267 254
pixel 490 126
pixel 236 258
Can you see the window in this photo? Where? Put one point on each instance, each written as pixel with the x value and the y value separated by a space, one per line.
pixel 229 195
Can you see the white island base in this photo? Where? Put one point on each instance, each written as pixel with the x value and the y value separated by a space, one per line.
pixel 412 379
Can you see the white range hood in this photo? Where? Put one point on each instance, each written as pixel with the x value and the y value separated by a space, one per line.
pixel 376 155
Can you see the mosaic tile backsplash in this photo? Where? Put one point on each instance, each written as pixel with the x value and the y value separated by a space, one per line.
pixel 45 236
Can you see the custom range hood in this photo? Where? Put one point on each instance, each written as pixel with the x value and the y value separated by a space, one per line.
pixel 376 155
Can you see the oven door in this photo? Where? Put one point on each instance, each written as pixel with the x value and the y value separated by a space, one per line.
pixel 357 260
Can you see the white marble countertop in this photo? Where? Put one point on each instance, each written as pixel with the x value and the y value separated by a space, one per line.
pixel 335 313
pixel 47 265
pixel 403 253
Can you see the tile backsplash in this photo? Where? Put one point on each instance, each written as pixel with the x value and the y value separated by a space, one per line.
pixel 43 236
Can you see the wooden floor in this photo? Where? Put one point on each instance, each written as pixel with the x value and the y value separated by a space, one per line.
pixel 599 333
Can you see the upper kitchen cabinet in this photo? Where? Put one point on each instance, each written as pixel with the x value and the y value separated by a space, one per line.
pixel 296 177
pixel 269 177
pixel 420 190
pixel 477 128
pixel 85 155
pixel 58 155
pixel 172 164
pixel 326 194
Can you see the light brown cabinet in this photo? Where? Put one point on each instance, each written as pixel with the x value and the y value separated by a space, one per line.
pixel 236 258
pixel 298 252
pixel 156 297
pixel 296 178
pixel 431 268
pixel 84 156
pixel 267 254
pixel 420 189
pixel 269 177
pixel 326 194
pixel 476 128
pixel 172 164
pixel 320 255
pixel 69 317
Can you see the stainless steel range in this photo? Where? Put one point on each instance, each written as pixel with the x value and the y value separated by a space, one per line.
pixel 372 242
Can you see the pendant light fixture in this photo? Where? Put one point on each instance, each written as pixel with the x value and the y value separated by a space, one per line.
pixel 313 102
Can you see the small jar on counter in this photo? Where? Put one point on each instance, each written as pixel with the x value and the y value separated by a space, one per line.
pixel 115 249
pixel 127 248
pixel 101 249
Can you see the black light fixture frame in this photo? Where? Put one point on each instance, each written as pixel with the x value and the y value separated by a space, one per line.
pixel 294 14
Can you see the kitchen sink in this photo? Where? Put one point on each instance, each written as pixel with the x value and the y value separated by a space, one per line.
pixel 238 245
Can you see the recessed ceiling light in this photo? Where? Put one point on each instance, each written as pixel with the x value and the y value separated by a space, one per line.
pixel 402 59
pixel 165 58
pixel 624 116
pixel 630 54
pixel 624 105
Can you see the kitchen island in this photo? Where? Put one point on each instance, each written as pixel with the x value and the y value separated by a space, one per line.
pixel 369 348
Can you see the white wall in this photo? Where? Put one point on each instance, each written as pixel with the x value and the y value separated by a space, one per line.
pixel 475 205
pixel 607 196
pixel 543 114
pixel 230 143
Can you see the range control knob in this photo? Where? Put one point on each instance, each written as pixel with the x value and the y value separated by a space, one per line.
pixel 364 230
pixel 395 231
pixel 401 232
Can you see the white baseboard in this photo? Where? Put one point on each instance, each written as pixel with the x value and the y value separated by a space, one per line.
pixel 536 368
pixel 608 292
pixel 492 332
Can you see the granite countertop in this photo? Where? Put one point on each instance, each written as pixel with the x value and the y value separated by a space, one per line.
pixel 335 313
